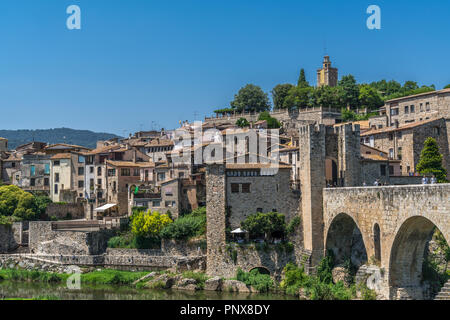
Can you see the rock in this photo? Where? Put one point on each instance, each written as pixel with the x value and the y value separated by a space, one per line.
pixel 302 294
pixel 148 276
pixel 164 281
pixel 186 284
pixel 236 286
pixel 340 274
pixel 214 284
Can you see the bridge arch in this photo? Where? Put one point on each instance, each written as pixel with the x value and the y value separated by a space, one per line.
pixel 377 242
pixel 262 270
pixel 345 240
pixel 407 256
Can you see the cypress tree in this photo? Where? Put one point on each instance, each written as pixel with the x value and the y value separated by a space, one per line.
pixel 431 161
pixel 302 83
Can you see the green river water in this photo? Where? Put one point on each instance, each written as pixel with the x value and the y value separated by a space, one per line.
pixel 13 289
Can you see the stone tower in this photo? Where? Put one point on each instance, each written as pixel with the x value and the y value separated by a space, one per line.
pixel 312 144
pixel 215 218
pixel 349 154
pixel 327 76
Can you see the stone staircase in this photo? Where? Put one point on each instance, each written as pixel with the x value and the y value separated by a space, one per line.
pixel 445 292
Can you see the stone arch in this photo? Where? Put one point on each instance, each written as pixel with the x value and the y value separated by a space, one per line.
pixel 406 257
pixel 377 242
pixel 345 239
pixel 262 270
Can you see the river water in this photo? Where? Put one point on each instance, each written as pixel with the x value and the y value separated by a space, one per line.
pixel 12 289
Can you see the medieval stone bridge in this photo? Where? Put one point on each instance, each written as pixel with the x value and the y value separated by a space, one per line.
pixel 394 222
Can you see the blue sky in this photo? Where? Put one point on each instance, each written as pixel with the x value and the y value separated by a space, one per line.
pixel 139 64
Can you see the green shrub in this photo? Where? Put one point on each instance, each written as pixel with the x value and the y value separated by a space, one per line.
pixel 259 281
pixel 189 226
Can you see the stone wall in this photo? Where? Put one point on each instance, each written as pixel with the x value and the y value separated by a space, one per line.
pixel 183 248
pixel 63 211
pixel 44 240
pixel 7 239
pixel 248 258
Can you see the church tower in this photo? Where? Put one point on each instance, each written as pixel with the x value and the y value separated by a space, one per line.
pixel 327 76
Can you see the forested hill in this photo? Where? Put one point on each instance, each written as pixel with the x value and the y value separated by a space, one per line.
pixel 83 138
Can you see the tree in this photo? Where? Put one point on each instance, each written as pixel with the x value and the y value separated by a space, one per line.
pixel 431 161
pixel 302 83
pixel 279 94
pixel 447 86
pixel 299 98
pixel 272 123
pixel 251 98
pixel 268 224
pixel 326 96
pixel 18 203
pixel 410 86
pixel 242 123
pixel 350 91
pixel 149 224
pixel 369 97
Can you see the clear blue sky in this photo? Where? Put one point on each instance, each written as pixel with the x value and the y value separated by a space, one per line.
pixel 138 61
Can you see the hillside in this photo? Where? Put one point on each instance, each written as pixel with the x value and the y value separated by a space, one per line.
pixel 83 138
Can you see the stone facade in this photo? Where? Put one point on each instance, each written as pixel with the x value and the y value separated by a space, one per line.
pixel 7 239
pixel 65 210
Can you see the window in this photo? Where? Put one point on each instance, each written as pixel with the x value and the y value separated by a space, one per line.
pixel 136 172
pixel 46 182
pixel 427 106
pixel 13 164
pixel 111 172
pixel 391 170
pixel 437 131
pixel 125 172
pixel 47 168
pixel 168 191
pixel 170 204
pixel 161 176
pixel 406 109
pixel 91 183
pixel 399 134
pixel 399 153
pixel 259 210
pixel 246 188
pixel 91 169
pixel 391 153
pixel 32 182
pixel 80 184
pixel 99 171
pixel 382 169
pixel 80 171
pixel 56 163
pixel 180 174
pixel 394 112
pixel 99 182
pixel 56 189
pixel 32 171
pixel 412 109
pixel 234 188
pixel 56 177
pixel 156 203
pixel 421 107
pixel 391 136
pixel 80 159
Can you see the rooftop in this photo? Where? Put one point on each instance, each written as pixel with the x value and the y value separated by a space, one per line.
pixel 393 129
pixel 420 95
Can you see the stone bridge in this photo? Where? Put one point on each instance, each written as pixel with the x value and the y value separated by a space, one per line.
pixel 389 227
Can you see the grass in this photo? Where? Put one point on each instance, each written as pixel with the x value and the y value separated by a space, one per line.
pixel 106 276
pixel 200 277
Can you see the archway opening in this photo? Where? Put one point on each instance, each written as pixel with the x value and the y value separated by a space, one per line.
pixel 377 242
pixel 419 260
pixel 262 270
pixel 345 242
pixel 331 172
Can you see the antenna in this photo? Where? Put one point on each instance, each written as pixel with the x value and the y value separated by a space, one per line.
pixel 325 47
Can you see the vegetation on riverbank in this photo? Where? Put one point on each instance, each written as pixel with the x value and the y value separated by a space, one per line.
pixel 146 229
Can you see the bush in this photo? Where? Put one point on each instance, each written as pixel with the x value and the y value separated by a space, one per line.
pixel 149 224
pixel 259 281
pixel 186 227
pixel 259 224
pixel 128 240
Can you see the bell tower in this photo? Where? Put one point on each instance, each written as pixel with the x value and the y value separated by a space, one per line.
pixel 327 75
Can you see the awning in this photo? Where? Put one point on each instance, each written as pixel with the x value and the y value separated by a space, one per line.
pixel 105 207
pixel 238 230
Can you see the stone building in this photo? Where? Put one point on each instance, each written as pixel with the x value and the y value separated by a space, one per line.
pixel 405 143
pixel 120 176
pixel 327 75
pixel 35 172
pixel 3 144
pixel 416 108
pixel 67 172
